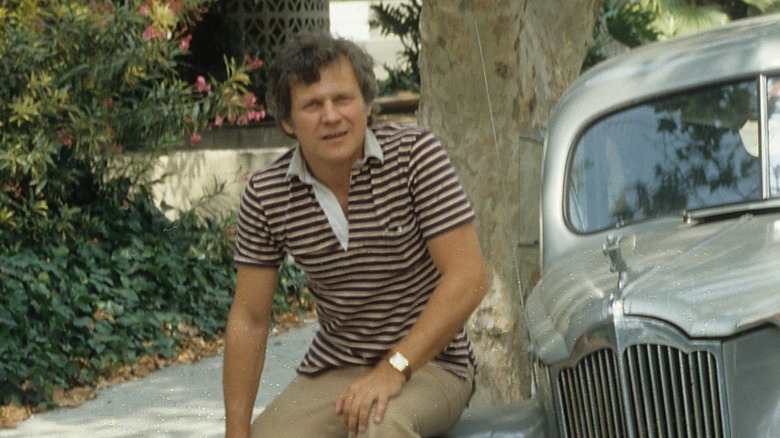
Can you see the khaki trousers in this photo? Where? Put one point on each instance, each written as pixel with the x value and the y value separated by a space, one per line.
pixel 429 404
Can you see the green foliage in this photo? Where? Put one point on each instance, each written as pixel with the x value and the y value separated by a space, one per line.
pixel 291 294
pixel 628 23
pixel 92 274
pixel 402 21
pixel 82 82
pixel 636 22
pixel 71 312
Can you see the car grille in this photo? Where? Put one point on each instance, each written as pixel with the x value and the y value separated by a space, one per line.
pixel 591 397
pixel 664 392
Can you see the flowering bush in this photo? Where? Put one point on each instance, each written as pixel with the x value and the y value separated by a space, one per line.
pixel 92 273
pixel 82 81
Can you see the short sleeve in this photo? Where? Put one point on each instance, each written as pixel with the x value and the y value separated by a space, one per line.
pixel 255 243
pixel 439 199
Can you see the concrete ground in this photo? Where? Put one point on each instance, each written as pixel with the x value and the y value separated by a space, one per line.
pixel 176 402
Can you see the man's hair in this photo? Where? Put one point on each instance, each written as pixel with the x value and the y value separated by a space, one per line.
pixel 300 59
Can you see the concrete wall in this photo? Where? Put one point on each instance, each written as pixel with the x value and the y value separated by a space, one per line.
pixel 225 156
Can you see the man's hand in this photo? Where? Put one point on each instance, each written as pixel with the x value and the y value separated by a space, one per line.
pixel 379 386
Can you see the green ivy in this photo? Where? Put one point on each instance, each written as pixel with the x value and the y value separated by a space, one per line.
pixel 71 311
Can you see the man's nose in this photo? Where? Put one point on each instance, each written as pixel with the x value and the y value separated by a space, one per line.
pixel 330 111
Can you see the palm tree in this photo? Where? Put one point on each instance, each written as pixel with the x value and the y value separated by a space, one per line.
pixel 677 17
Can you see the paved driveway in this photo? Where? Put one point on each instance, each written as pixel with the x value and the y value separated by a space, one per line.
pixel 181 401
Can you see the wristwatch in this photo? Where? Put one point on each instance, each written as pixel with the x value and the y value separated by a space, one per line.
pixel 401 363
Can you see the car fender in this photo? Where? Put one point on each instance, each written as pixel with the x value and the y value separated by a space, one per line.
pixel 526 419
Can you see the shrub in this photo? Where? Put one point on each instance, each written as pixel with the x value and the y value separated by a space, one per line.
pixel 70 313
pixel 92 274
pixel 83 81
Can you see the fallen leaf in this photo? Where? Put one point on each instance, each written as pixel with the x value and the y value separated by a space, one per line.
pixel 12 414
pixel 73 397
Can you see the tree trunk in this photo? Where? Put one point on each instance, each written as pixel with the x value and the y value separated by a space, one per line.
pixel 492 70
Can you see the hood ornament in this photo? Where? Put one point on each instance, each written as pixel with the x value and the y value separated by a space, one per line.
pixel 613 250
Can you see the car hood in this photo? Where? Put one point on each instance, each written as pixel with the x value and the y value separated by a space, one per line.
pixel 709 280
pixel 724 284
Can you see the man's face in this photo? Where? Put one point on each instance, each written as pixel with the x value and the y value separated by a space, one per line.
pixel 329 118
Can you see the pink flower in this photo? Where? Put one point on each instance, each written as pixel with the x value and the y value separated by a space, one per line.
pixel 252 63
pixel 201 85
pixel 151 33
pixel 256 115
pixel 249 100
pixel 65 138
pixel 196 138
pixel 218 120
pixel 144 10
pixel 185 42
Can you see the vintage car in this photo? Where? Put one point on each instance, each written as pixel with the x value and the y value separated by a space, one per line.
pixel 658 312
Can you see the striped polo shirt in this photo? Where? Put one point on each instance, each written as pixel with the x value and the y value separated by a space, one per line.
pixel 369 293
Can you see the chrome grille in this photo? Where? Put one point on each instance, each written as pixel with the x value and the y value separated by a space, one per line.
pixel 672 393
pixel 666 393
pixel 591 401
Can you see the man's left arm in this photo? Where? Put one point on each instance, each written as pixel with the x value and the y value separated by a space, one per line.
pixel 458 258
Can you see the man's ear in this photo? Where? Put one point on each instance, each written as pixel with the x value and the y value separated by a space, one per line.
pixel 287 127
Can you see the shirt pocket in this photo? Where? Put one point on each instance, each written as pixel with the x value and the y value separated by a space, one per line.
pixel 399 230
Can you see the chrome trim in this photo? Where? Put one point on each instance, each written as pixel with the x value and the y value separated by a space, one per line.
pixel 763 136
pixel 665 386
pixel 673 394
pixel 595 405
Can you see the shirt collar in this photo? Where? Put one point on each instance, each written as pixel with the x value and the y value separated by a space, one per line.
pixel 297 167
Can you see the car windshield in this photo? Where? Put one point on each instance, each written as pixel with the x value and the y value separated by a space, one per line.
pixel 684 152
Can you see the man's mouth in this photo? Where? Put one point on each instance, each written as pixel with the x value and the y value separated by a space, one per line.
pixel 335 135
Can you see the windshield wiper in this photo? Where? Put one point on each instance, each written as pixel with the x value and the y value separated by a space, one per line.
pixel 731 211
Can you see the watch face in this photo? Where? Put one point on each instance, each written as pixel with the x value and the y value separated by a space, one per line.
pixel 399 362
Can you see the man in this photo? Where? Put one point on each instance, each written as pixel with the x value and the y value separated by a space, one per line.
pixel 378 221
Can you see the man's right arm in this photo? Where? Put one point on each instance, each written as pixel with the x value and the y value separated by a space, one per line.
pixel 248 325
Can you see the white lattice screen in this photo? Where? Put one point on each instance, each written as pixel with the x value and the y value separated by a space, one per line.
pixel 266 23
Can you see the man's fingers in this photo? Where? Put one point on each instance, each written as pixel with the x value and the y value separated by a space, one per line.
pixel 364 412
pixel 352 414
pixel 381 407
pixel 340 404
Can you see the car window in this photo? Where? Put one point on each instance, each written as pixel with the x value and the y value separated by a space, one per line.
pixel 773 110
pixel 687 151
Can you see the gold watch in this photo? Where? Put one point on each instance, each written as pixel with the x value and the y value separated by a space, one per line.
pixel 401 363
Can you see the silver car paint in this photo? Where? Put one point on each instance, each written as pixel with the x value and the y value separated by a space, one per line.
pixel 673 262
